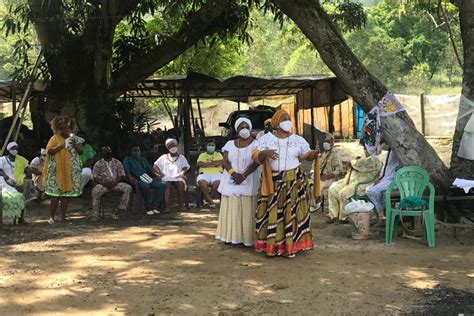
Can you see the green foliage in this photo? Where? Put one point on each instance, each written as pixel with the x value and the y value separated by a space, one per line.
pixel 417 55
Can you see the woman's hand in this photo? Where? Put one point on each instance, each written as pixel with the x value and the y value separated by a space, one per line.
pixel 270 154
pixel 238 178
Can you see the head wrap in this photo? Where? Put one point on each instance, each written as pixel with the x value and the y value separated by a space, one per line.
pixel 241 120
pixel 277 117
pixel 43 151
pixel 11 145
pixel 169 142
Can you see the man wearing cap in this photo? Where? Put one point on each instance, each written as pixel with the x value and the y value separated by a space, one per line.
pixel 209 165
pixel 13 169
pixel 36 167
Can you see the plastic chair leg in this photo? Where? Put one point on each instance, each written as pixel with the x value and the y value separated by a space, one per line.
pixel 395 221
pixel 388 229
pixel 429 229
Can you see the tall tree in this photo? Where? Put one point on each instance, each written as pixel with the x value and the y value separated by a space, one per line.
pixel 398 130
pixel 461 167
pixel 90 63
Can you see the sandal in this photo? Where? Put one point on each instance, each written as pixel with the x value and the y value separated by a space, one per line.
pixel 51 221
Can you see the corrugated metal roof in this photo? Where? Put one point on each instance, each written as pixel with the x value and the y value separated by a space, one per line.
pixel 238 88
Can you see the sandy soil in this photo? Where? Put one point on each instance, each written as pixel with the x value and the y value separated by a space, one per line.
pixel 172 265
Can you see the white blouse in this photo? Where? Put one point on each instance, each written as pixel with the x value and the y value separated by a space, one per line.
pixel 240 159
pixel 288 149
pixel 171 166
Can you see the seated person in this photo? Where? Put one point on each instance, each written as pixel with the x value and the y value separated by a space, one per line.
pixel 88 157
pixel 36 167
pixel 267 129
pixel 340 191
pixel 376 191
pixel 172 168
pixel 209 165
pixel 109 175
pixel 139 172
pixel 15 178
pixel 331 170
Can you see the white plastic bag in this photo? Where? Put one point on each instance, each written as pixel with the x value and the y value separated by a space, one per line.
pixel 358 206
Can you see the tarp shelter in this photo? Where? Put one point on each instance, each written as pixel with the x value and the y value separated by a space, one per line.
pixel 309 92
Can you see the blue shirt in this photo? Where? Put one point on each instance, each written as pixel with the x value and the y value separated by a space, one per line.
pixel 137 166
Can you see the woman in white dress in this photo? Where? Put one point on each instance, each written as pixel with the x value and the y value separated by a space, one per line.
pixel 172 168
pixel 239 188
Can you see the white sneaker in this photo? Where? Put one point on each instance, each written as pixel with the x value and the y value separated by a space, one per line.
pixel 150 213
pixel 156 212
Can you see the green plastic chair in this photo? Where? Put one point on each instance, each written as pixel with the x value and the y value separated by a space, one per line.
pixel 410 181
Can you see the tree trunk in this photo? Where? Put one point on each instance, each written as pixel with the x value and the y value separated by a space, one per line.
pixel 460 167
pixel 398 130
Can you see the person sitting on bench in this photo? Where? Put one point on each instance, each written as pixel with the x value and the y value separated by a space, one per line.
pixel 109 175
pixel 209 165
pixel 172 168
pixel 139 172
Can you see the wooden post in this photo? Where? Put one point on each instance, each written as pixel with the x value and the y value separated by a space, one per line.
pixel 340 118
pixel 422 110
pixel 200 116
pixel 313 141
pixel 295 112
pixel 302 113
pixel 192 116
pixel 186 125
pixel 13 97
pixel 238 105
pixel 1 207
pixel 331 109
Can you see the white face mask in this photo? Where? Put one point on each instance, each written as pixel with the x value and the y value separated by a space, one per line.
pixel 326 146
pixel 173 150
pixel 244 133
pixel 286 126
pixel 13 152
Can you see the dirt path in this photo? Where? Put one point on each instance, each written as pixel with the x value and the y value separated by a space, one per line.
pixel 172 265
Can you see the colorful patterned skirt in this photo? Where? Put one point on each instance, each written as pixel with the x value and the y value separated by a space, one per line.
pixel 52 187
pixel 283 224
pixel 13 204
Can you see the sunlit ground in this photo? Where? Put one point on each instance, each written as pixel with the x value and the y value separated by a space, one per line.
pixel 173 265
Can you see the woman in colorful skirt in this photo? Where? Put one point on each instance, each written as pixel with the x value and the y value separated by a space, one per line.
pixel 62 166
pixel 239 188
pixel 283 225
pixel 13 202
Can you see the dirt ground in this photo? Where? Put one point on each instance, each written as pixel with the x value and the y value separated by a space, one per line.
pixel 171 264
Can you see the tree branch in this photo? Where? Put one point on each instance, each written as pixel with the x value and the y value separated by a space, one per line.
pixel 195 27
pixel 450 32
pixel 398 130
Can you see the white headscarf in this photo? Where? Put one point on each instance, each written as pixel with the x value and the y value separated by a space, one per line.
pixel 241 120
pixel 43 151
pixel 11 145
pixel 170 141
